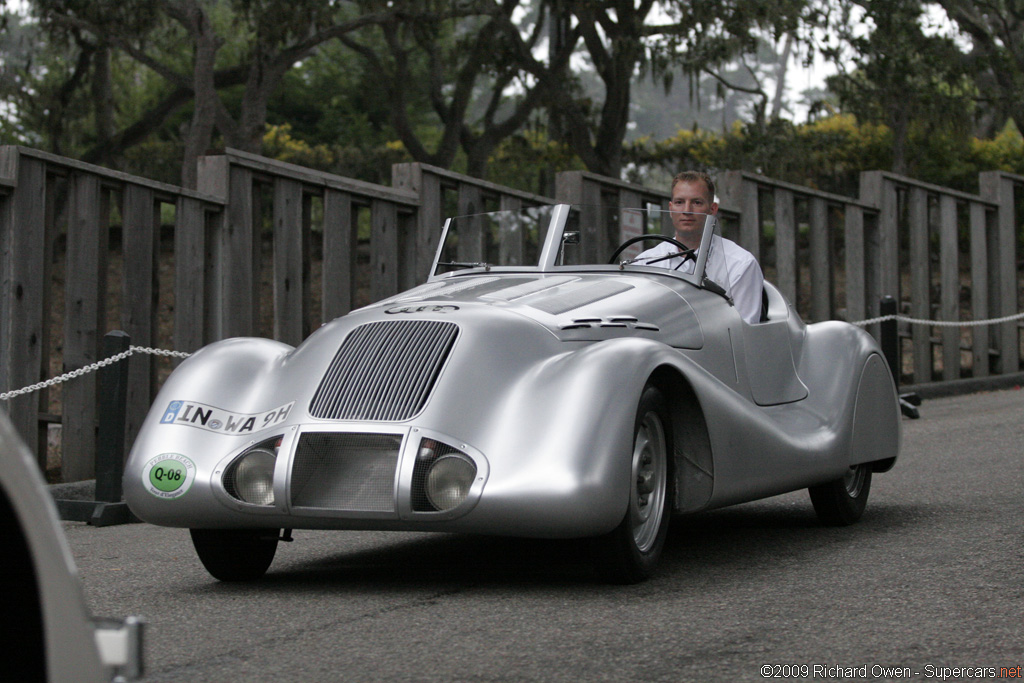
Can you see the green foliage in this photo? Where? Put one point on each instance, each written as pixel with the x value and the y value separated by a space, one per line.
pixel 899 75
pixel 1004 152
pixel 529 160
pixel 827 154
pixel 372 164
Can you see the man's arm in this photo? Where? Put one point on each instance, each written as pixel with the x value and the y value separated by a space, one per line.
pixel 745 290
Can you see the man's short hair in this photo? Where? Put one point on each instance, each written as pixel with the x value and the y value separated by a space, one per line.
pixel 695 177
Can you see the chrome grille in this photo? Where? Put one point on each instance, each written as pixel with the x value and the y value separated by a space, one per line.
pixel 345 472
pixel 384 371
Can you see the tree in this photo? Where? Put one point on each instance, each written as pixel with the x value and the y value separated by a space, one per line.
pixel 898 75
pixel 467 66
pixel 996 60
pixel 622 41
pixel 275 35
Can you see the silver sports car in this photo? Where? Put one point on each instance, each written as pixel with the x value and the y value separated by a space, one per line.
pixel 523 390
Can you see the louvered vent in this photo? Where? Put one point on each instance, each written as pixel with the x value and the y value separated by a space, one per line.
pixel 384 371
pixel 577 295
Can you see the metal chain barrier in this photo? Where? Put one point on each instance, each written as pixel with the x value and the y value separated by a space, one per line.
pixel 92 368
pixel 939 323
pixel 183 354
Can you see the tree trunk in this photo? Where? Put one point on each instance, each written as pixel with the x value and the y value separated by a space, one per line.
pixel 780 77
pixel 200 132
pixel 103 97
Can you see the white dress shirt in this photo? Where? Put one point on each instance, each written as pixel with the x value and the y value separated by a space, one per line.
pixel 729 265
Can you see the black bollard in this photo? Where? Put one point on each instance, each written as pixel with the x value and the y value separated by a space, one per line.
pixel 890 340
pixel 113 388
pixel 107 508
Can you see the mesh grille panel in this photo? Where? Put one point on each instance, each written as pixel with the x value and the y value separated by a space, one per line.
pixel 384 371
pixel 350 472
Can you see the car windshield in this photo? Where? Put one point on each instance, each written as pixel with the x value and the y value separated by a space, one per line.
pixel 561 236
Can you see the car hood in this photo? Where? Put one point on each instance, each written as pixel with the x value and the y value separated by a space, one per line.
pixel 572 307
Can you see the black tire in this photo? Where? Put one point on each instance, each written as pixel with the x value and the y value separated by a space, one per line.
pixel 841 502
pixel 235 555
pixel 630 552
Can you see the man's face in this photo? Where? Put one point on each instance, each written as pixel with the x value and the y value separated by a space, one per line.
pixel 690 198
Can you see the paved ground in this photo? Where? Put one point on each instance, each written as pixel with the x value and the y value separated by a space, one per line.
pixel 932 579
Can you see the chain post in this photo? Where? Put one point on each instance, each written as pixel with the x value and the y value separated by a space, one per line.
pixel 113 388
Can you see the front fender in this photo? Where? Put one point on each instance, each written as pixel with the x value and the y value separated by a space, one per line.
pixel 220 399
pixel 560 441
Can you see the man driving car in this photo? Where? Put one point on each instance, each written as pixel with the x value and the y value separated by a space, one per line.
pixel 728 264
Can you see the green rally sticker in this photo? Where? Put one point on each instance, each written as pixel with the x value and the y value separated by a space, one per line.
pixel 168 475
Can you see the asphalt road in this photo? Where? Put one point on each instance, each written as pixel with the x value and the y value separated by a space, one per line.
pixel 931 580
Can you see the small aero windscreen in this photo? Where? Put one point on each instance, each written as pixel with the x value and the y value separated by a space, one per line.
pixel 501 238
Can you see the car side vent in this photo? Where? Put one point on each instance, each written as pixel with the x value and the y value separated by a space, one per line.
pixel 384 371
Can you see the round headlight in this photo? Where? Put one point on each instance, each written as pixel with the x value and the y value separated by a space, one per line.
pixel 449 479
pixel 254 477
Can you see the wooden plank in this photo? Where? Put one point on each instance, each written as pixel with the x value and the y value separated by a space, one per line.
pixel 821 260
pixel 882 244
pixel 978 217
pixel 920 282
pixel 289 299
pixel 1009 333
pixel 59 165
pixel 750 221
pixel 190 294
pixel 272 168
pixel 785 245
pixel 591 224
pixel 24 295
pixel 580 189
pixel 407 253
pixel 212 176
pixel 430 221
pixel 629 220
pixel 383 249
pixel 339 255
pixel 427 185
pixel 729 201
pixel 569 187
pixel 949 274
pixel 451 178
pixel 236 256
pixel 877 194
pixel 471 236
pixel 140 245
pixel 56 202
pixel 307 257
pixel 213 303
pixel 83 312
pixel 853 236
pixel 512 248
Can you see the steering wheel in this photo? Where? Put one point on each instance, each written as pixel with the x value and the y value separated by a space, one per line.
pixel 687 253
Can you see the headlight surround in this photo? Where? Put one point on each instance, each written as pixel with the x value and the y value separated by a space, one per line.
pixel 449 479
pixel 250 478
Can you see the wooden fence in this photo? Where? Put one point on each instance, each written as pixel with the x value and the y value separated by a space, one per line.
pixel 274 249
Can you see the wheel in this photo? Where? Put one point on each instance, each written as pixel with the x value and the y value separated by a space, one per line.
pixel 629 553
pixel 235 555
pixel 841 502
pixel 686 251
